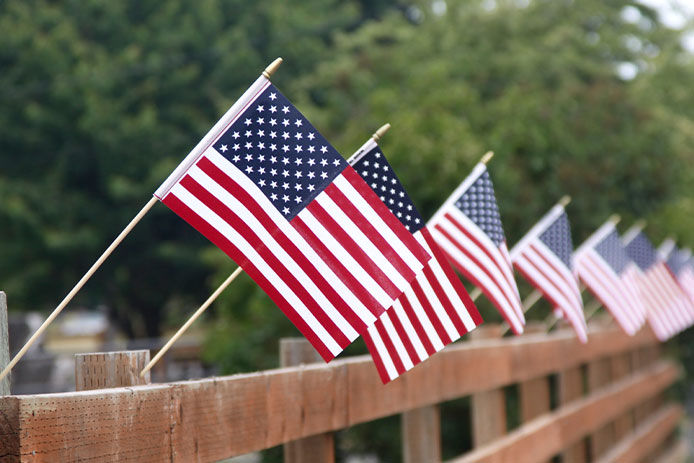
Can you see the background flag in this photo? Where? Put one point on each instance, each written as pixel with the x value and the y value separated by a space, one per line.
pixel 662 293
pixel 681 264
pixel 271 192
pixel 468 229
pixel 543 257
pixel 436 310
pixel 611 277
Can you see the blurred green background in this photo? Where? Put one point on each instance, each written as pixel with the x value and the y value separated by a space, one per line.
pixel 99 101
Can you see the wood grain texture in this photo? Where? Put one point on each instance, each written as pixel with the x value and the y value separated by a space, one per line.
pixel 570 385
pixel 101 370
pixel 216 418
pixel 547 435
pixel 646 438
pixel 4 345
pixel 488 407
pixel 599 373
pixel 421 435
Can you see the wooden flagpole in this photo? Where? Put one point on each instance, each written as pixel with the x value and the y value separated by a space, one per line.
pixel 78 286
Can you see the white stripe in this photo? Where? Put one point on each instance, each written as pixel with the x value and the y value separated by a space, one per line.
pixel 361 240
pixel 480 275
pixel 398 311
pixel 424 319
pixel 342 255
pixel 378 223
pixel 397 343
pixel 275 248
pixel 555 277
pixel 436 306
pixel 268 272
pixel 382 353
pixel 447 286
pixel 294 236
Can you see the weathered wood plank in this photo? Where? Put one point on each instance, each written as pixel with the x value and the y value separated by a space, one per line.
pixel 216 418
pixel 488 407
pixel 599 374
pixel 570 389
pixel 101 370
pixel 646 438
pixel 421 435
pixel 545 436
pixel 4 345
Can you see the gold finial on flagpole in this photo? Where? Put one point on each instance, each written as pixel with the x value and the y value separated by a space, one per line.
pixel 564 201
pixel 380 132
pixel 487 157
pixel 270 70
pixel 615 218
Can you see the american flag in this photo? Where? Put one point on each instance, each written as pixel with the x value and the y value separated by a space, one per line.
pixel 543 257
pixel 666 304
pixel 609 274
pixel 270 191
pixel 679 262
pixel 436 310
pixel 468 229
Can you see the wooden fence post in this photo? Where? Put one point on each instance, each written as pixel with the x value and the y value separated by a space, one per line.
pixel 599 375
pixel 534 393
pixel 321 447
pixel 4 345
pixel 621 367
pixel 571 388
pixel 421 435
pixel 488 407
pixel 102 370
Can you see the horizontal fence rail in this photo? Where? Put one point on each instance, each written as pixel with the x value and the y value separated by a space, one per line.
pixel 216 418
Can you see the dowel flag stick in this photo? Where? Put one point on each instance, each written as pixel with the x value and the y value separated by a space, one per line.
pixel 475 293
pixel 78 286
pixel 380 132
pixel 267 73
pixel 487 157
pixel 192 319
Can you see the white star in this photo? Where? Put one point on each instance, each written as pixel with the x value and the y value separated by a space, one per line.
pixel 401 194
pixel 273 109
pixel 323 175
pixel 249 157
pixel 311 174
pixel 285 161
pixel 285 109
pixel 311 187
pixel 399 203
pixel 285 173
pixel 273 196
pixel 273 122
pixel 247 121
pixel 273 134
pixel 224 148
pixel 376 165
pixel 382 198
pixel 311 149
pixel 297 122
pixel 298 136
pixel 409 207
pixel 261 170
pixel 248 145
pixel 273 159
pixel 298 148
pixel 285 135
pixel 391 201
pixel 260 109
pixel 261 182
pixel 298 161
pixel 407 227
pixel 273 172
pixel 235 135
pixel 392 180
pixel 392 191
pixel 311 136
pixel 261 145
pixel 416 220
pixel 285 186
pixel 298 174
pixel 384 178
pixel 248 133
pixel 336 162
pixel 399 214
pixel 261 158
pixel 285 148
pixel 374 175
pixel 407 217
pixel 378 155
pixel 260 120
pixel 285 210
pixel 297 199
pixel 273 96
pixel 236 158
pixel 366 163
pixel 385 168
pixel 285 122
pixel 323 162
pixel 323 149
pixel 383 188
pixel 273 184
pixel 236 147
pixel 249 169
pixel 311 161
pixel 285 198
pixel 261 133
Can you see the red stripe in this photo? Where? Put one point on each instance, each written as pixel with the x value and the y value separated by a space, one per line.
pixel 462 269
pixel 369 231
pixel 431 314
pixel 419 329
pixel 614 305
pixel 376 356
pixel 569 297
pixel 338 267
pixel 440 257
pixel 232 251
pixel 283 240
pixel 226 214
pixel 392 352
pixel 382 210
pixel 506 290
pixel 369 265
pixel 402 334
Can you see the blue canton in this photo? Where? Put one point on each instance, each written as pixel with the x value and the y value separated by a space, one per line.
pixel 281 152
pixel 557 237
pixel 642 252
pixel 612 252
pixel 478 203
pixel 377 172
pixel 676 261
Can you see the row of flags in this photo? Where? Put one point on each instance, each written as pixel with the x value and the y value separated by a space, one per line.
pixel 341 249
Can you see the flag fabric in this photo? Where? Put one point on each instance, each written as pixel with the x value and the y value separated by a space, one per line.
pixel 603 265
pixel 666 304
pixel 679 262
pixel 265 187
pixel 468 229
pixel 543 257
pixel 436 309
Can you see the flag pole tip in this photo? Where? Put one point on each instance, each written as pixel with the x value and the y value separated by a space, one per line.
pixel 270 70
pixel 565 200
pixel 640 224
pixel 487 157
pixel 381 131
pixel 615 218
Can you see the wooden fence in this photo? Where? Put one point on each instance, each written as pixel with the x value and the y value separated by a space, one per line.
pixel 610 396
